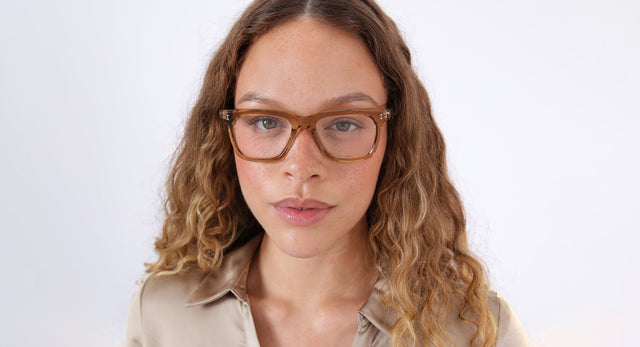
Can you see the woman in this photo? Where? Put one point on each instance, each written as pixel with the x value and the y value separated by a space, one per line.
pixel 309 203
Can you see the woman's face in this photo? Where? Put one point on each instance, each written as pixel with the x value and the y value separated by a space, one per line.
pixel 310 205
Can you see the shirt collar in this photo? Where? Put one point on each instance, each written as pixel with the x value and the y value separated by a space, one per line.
pixel 380 315
pixel 231 277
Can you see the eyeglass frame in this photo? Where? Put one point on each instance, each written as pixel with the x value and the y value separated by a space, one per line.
pixel 378 115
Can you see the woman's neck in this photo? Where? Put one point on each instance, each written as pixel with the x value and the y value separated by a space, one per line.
pixel 345 273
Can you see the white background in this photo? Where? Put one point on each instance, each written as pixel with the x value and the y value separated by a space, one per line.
pixel 538 101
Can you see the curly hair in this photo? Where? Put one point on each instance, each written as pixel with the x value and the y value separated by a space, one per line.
pixel 416 219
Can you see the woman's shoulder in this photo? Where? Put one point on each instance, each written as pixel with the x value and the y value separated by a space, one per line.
pixel 510 330
pixel 170 288
pixel 157 300
pixel 189 287
pixel 211 302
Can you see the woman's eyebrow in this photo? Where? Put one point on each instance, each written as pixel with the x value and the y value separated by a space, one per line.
pixel 348 99
pixel 255 97
pixel 329 104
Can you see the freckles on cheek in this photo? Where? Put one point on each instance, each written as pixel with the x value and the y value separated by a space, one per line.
pixel 358 179
pixel 245 173
pixel 252 174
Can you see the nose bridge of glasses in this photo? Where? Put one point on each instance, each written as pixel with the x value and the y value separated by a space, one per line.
pixel 297 132
pixel 300 123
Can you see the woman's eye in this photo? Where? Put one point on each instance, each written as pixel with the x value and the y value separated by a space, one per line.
pixel 344 126
pixel 266 123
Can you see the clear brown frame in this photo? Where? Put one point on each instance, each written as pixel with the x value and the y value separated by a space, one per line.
pixel 379 116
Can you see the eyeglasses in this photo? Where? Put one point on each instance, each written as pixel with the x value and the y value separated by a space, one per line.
pixel 342 135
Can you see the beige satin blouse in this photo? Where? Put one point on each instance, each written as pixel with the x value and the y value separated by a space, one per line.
pixel 213 310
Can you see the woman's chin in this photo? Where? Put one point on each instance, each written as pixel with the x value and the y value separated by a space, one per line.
pixel 298 245
pixel 317 240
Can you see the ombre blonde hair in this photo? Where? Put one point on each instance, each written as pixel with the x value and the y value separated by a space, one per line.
pixel 417 224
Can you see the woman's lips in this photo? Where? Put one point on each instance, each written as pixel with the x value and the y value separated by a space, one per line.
pixel 301 213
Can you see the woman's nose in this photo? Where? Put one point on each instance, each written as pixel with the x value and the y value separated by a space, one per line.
pixel 305 160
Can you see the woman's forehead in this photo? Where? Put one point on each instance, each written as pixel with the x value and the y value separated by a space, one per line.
pixel 308 62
